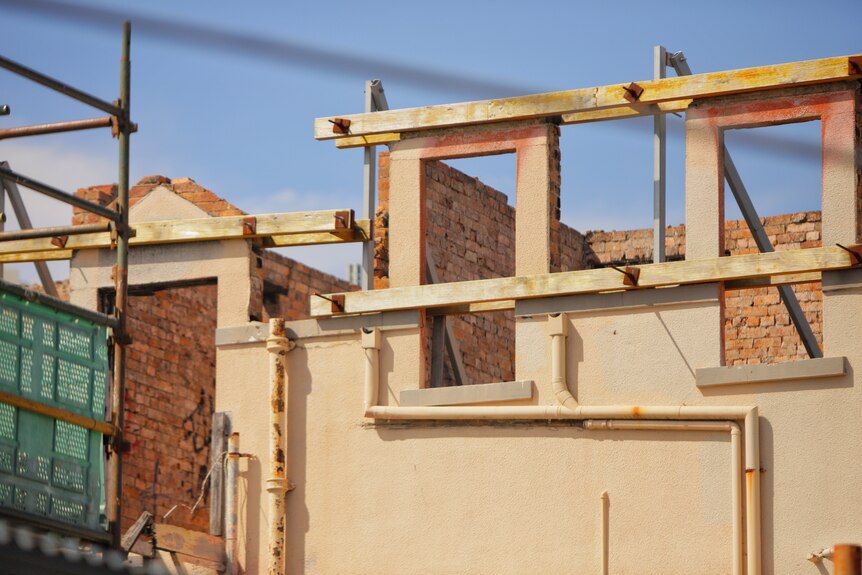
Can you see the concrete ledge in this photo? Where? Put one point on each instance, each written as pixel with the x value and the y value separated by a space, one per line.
pixel 788 371
pixel 480 393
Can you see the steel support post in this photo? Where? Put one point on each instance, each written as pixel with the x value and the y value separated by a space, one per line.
pixel 24 223
pixel 737 187
pixel 121 275
pixel 659 164
pixel 375 100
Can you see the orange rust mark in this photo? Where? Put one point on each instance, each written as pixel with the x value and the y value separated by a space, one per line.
pixel 636 411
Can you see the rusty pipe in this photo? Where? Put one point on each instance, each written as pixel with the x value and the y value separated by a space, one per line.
pixel 55 231
pixel 277 485
pixel 56 127
pixel 847 559
pixel 231 517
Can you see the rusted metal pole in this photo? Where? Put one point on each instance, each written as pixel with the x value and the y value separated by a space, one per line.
pixel 121 276
pixel 277 485
pixel 56 128
pixel 55 231
pixel 847 559
pixel 58 86
pixel 231 518
pixel 52 192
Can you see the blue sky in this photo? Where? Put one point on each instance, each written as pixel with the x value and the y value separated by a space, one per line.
pixel 242 125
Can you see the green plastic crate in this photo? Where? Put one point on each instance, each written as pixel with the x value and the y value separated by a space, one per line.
pixel 49 467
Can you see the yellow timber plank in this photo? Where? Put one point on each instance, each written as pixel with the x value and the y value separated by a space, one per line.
pixel 196 230
pixel 588 281
pixel 361 232
pixel 369 140
pixel 589 99
pixel 54 254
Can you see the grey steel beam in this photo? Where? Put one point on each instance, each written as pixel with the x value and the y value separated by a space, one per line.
pixel 659 164
pixel 25 224
pixel 52 192
pixel 442 334
pixel 58 86
pixel 375 100
pixel 761 239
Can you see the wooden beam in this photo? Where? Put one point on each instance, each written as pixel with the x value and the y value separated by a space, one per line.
pixel 309 227
pixel 57 413
pixel 773 281
pixel 591 99
pixel 55 254
pixel 361 232
pixel 592 281
pixel 621 113
pixel 193 543
pixel 369 140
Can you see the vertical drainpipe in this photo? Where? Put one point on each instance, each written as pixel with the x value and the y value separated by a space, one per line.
pixel 277 485
pixel 231 516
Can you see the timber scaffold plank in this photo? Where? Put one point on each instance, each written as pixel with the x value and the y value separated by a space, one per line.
pixel 585 104
pixel 273 230
pixel 459 296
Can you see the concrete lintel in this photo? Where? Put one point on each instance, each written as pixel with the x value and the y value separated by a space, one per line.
pixel 680 295
pixel 780 372
pixel 256 332
pixel 464 394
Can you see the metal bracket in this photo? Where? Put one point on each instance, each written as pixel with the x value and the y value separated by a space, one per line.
pixel 340 125
pixel 854 65
pixel 854 253
pixel 633 92
pixel 59 241
pixel 249 226
pixel 337 301
pixel 5 110
pixel 343 219
pixel 630 275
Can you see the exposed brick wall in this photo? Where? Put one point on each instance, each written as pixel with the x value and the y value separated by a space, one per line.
pixel 288 285
pixel 170 377
pixel 170 389
pixel 186 188
pixel 757 328
pixel 471 233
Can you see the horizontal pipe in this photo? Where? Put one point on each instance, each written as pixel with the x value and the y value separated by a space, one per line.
pixel 57 413
pixel 622 425
pixel 57 304
pixel 527 412
pixel 55 231
pixel 60 195
pixel 56 128
pixel 58 86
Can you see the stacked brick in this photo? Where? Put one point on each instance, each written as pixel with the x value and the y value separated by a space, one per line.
pixel 288 286
pixel 170 389
pixel 757 328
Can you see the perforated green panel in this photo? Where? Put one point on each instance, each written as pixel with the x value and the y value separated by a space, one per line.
pixel 50 467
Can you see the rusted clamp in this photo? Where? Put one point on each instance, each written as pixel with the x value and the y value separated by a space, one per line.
pixel 343 219
pixel 249 226
pixel 854 65
pixel 630 275
pixel 59 241
pixel 854 253
pixel 337 301
pixel 340 125
pixel 279 344
pixel 633 92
